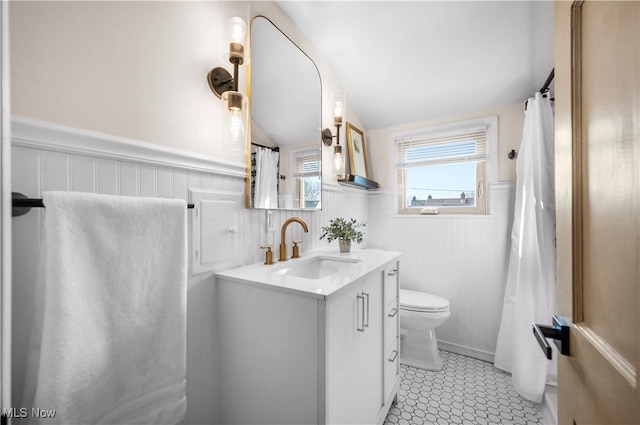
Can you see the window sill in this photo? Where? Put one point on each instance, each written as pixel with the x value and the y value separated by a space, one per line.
pixel 441 216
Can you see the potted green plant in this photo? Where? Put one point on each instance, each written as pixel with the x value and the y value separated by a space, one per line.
pixel 344 231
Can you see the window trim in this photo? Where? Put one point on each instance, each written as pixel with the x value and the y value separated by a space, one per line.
pixel 294 154
pixel 297 179
pixel 490 165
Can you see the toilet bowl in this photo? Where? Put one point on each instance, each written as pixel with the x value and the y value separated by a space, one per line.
pixel 420 315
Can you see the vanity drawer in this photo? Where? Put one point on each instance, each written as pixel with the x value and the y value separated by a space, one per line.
pixel 391 275
pixel 391 368
pixel 391 317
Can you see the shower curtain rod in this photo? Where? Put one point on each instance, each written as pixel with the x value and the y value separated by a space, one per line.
pixel 513 154
pixel 545 87
pixel 543 90
pixel 277 149
pixel 22 205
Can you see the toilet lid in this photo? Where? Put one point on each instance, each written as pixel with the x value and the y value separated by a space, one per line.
pixel 421 301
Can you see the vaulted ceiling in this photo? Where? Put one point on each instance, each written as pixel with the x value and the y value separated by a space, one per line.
pixel 401 62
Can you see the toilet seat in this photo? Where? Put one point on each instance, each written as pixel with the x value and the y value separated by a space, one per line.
pixel 422 302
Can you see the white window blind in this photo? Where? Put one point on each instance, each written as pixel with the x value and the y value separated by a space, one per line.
pixel 463 145
pixel 307 164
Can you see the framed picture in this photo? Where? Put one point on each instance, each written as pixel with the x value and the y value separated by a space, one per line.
pixel 357 153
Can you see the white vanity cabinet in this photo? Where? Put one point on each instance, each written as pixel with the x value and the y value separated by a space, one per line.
pixel 354 342
pixel 291 354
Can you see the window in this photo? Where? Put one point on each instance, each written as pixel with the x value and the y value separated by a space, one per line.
pixel 444 168
pixel 306 172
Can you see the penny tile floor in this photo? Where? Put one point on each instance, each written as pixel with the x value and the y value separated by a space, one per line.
pixel 465 391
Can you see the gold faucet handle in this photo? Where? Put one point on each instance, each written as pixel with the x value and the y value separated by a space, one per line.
pixel 296 249
pixel 268 255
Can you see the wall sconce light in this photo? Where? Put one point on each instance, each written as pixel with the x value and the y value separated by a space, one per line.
pixel 327 139
pixel 225 86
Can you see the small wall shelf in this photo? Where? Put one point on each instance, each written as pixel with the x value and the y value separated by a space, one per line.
pixel 358 181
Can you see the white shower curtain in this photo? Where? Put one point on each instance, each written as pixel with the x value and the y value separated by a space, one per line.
pixel 266 189
pixel 531 280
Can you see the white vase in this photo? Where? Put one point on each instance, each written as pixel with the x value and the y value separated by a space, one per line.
pixel 345 245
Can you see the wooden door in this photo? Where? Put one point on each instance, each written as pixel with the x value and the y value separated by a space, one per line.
pixel 597 91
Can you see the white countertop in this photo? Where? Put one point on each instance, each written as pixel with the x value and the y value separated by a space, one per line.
pixel 259 274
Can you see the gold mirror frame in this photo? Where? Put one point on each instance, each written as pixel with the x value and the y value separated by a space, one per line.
pixel 278 90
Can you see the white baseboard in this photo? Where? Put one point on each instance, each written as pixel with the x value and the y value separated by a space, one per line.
pixel 466 351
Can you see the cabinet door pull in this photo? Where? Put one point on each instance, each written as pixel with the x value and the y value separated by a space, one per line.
pixel 366 324
pixel 393 356
pixel 358 314
pixel 393 312
pixel 392 272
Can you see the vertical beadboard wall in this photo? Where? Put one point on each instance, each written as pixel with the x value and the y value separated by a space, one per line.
pixel 337 201
pixel 461 258
pixel 47 157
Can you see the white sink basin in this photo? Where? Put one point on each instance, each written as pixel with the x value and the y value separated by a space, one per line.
pixel 317 267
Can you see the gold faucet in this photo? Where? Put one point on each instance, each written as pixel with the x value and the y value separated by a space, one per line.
pixel 283 246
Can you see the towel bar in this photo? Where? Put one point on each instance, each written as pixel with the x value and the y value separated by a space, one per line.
pixel 22 205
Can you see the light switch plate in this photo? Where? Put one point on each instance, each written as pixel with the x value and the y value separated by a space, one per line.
pixel 271 225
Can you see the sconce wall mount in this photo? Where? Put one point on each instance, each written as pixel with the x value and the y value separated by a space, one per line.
pixel 327 137
pixel 220 81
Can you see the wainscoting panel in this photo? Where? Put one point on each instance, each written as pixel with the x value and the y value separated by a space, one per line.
pixel 461 258
pixel 107 176
pixel 50 157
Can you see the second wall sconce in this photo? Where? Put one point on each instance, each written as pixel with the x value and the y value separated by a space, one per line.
pixel 327 139
pixel 225 86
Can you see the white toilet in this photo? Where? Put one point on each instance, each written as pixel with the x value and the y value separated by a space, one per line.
pixel 420 315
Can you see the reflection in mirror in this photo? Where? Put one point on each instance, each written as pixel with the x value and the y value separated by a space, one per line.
pixel 285 96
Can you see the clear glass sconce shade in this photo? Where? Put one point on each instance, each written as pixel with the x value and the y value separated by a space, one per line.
pixel 338 162
pixel 237 30
pixel 338 109
pixel 237 141
pixel 236 129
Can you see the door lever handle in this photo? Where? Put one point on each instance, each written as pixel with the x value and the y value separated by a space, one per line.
pixel 559 332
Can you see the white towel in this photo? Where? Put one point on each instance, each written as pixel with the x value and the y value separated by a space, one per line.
pixel 112 337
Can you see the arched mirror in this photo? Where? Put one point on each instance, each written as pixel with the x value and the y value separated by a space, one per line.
pixel 285 141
